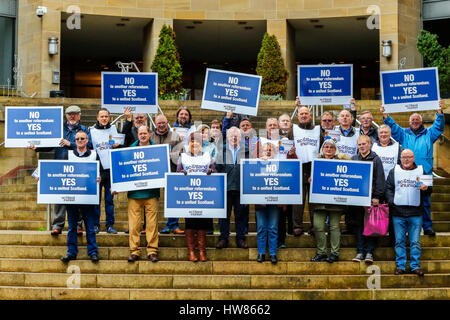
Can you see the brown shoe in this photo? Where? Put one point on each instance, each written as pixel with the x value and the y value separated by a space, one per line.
pixel 133 258
pixel 222 244
pixel 190 243
pixel 399 271
pixel 201 242
pixel 242 244
pixel 419 272
pixel 153 257
pixel 55 232
pixel 297 232
pixel 177 231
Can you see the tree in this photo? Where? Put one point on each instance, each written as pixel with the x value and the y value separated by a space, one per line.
pixel 435 55
pixel 271 67
pixel 167 64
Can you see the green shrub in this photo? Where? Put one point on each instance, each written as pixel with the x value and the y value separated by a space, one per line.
pixel 167 64
pixel 435 55
pixel 271 67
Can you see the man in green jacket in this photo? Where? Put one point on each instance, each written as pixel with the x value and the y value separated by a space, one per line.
pixel 137 200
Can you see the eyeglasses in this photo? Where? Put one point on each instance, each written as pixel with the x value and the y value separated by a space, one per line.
pixel 80 139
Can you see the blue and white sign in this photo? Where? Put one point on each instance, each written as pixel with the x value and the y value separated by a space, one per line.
pixel 325 84
pixel 137 90
pixel 231 91
pixel 271 181
pixel 341 182
pixel 195 196
pixel 138 168
pixel 410 90
pixel 68 182
pixel 40 126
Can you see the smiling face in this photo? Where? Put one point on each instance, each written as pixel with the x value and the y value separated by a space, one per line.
pixel 245 126
pixel 143 135
pixel 415 121
pixel 81 140
pixel 407 159
pixel 268 151
pixel 234 137
pixel 384 134
pixel 195 147
pixel 103 117
pixel 205 134
pixel 183 116
pixel 162 124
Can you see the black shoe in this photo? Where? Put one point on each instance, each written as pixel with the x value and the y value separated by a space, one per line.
pixel 332 258
pixel 133 258
pixel 273 259
pixel 429 232
pixel 319 258
pixel 111 230
pixel 94 258
pixel 127 231
pixel 67 258
pixel 261 258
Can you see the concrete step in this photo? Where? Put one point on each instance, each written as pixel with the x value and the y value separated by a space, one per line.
pixel 251 282
pixel 48 293
pixel 43 238
pixel 212 267
pixel 228 254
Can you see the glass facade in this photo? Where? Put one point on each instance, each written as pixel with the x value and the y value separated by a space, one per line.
pixel 8 10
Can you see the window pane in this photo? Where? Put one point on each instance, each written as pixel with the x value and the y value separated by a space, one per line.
pixel 7 29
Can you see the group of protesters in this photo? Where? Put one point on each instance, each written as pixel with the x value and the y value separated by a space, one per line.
pixel 398 155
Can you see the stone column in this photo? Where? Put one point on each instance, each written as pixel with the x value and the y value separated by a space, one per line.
pixel 286 38
pixel 151 40
pixel 400 22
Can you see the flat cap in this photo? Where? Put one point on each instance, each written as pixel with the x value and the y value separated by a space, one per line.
pixel 73 109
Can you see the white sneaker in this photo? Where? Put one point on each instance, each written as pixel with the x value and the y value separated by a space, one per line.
pixel 359 257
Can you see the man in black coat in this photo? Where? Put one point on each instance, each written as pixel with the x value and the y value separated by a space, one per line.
pixel 229 162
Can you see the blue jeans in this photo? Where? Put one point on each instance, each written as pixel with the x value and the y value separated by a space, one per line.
pixel 267 225
pixel 240 218
pixel 413 225
pixel 109 204
pixel 87 213
pixel 426 216
pixel 172 224
pixel 364 244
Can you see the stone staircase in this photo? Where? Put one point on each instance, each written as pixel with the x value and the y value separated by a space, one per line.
pixel 30 266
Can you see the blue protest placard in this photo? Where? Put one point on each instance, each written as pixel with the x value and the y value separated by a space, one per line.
pixel 68 182
pixel 40 126
pixel 410 90
pixel 195 196
pixel 325 84
pixel 137 90
pixel 138 168
pixel 341 182
pixel 231 91
pixel 271 181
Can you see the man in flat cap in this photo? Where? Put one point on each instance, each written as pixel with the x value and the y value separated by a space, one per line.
pixel 71 126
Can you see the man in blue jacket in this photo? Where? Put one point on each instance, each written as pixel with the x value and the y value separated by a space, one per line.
pixel 420 140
